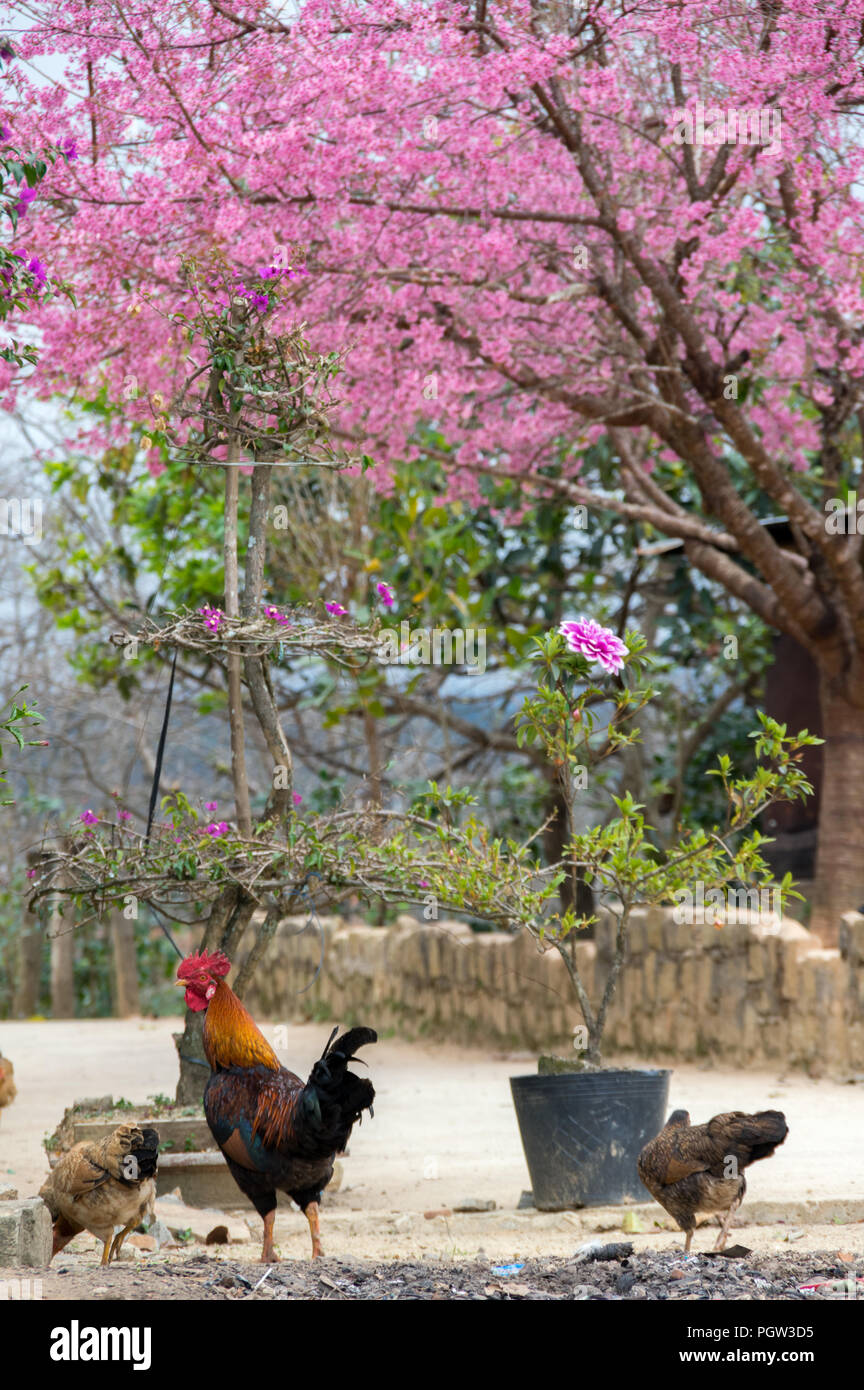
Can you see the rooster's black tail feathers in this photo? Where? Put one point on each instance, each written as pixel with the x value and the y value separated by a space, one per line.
pixel 335 1085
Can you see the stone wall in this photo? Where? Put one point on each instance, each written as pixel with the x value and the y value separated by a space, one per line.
pixel 761 994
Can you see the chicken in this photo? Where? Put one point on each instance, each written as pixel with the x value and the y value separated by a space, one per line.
pixel 8 1090
pixel 100 1186
pixel 275 1132
pixel 699 1168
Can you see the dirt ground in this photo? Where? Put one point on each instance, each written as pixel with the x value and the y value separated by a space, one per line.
pixel 444 1130
pixel 645 1276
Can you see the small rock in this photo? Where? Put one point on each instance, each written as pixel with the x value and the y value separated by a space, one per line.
pixel 218 1236
pixel 141 1242
pixel 437 1211
pixel 474 1204
pixel 7 1193
pixel 404 1222
pixel 160 1233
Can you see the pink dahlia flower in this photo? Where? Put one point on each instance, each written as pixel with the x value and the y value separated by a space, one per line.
pixel 598 644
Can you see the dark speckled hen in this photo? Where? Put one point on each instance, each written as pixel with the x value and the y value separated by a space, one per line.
pixel 277 1133
pixel 693 1169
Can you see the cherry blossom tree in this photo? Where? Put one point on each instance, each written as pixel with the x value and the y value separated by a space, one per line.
pixel 531 224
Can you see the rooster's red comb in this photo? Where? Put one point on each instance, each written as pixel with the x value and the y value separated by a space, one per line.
pixel 208 963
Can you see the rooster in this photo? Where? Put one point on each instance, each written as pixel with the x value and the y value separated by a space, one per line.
pixel 275 1133
pixel 100 1185
pixel 698 1168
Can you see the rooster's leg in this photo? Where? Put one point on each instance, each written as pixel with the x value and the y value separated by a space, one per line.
pixel 106 1251
pixel 314 1228
pixel 268 1253
pixel 720 1243
pixel 687 1241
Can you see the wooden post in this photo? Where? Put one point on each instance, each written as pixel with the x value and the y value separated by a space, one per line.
pixel 127 1000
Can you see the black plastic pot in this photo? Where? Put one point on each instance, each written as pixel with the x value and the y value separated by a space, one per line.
pixel 582 1133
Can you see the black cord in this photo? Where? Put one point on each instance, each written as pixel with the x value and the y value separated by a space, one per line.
pixel 160 751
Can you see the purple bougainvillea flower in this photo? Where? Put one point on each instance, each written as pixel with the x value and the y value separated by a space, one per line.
pixel 598 644
pixel 336 609
pixel 220 829
pixel 297 798
pixel 212 617
pixel 5 131
pixel 89 818
pixel 31 873
pixel 38 271
pixel 211 805
pixel 423 883
pixel 69 148
pixel 385 593
pixel 124 815
pixel 25 198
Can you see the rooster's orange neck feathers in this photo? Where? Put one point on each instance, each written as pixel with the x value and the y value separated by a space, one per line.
pixel 231 1036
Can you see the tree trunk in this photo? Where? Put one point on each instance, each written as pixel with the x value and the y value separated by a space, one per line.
pixel 127 1000
pixel 62 967
pixel 28 967
pixel 839 858
pixel 194 1069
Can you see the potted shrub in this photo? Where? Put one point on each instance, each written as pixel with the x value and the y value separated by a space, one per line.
pixel 583 1124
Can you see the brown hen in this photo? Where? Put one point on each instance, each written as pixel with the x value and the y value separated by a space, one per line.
pixel 692 1169
pixel 8 1091
pixel 99 1187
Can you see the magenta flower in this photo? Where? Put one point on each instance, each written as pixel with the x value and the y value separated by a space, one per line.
pixel 336 609
pixel 423 883
pixel 89 818
pixel 212 617
pixel 124 815
pixel 386 595
pixel 211 805
pixel 31 873
pixel 297 798
pixel 220 829
pixel 25 198
pixel 599 644
pixel 38 271
pixel 69 148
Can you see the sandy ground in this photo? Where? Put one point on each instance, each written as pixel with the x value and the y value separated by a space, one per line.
pixel 444 1129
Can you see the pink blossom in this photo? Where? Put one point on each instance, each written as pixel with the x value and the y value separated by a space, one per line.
pixel 211 805
pixel 124 815
pixel 212 617
pixel 599 644
pixel 89 818
pixel 297 798
pixel 385 593
pixel 336 609
pixel 31 873
pixel 218 829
